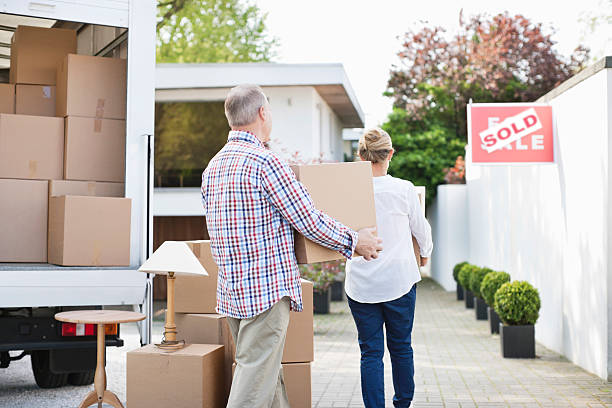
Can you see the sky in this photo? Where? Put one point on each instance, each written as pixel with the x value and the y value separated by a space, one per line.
pixel 363 36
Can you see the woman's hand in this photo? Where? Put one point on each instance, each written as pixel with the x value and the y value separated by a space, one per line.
pixel 368 244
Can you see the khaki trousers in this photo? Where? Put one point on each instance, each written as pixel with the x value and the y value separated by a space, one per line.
pixel 258 379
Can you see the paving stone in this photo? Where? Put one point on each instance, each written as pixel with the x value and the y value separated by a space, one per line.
pixel 457 363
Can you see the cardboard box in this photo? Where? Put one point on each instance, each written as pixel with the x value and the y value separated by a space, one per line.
pixel 36 100
pixel 198 294
pixel 209 329
pixel 93 87
pixel 37 51
pixel 7 98
pixel 299 345
pixel 192 377
pixel 89 231
pixel 343 191
pixel 31 147
pixel 23 217
pixel 298 384
pixel 95 149
pixel 85 188
pixel 415 245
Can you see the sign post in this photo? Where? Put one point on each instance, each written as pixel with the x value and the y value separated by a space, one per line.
pixel 507 133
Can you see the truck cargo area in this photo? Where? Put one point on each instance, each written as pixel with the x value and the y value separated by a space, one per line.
pixel 31 293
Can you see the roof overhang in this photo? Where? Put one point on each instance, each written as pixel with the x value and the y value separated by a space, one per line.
pixel 329 80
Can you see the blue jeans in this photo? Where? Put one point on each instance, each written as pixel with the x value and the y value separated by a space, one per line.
pixel 397 316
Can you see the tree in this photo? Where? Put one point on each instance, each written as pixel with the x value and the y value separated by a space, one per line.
pixel 212 31
pixel 491 59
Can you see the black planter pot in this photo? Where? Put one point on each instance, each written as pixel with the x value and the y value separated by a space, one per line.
pixel 480 307
pixel 321 301
pixel 469 299
pixel 517 341
pixel 494 320
pixel 459 292
pixel 337 291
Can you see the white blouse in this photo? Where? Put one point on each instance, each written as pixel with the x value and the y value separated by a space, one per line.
pixel 395 271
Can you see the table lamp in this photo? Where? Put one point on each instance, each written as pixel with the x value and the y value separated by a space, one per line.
pixel 172 258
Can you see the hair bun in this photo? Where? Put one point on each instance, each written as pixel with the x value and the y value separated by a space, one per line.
pixel 375 145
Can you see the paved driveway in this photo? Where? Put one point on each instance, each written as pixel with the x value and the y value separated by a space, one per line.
pixel 457 365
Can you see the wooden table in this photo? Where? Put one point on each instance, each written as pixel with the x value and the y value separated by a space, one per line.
pixel 100 317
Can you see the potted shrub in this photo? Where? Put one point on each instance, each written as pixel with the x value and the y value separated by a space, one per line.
pixel 464 280
pixel 490 284
pixel 321 276
pixel 518 305
pixel 337 286
pixel 476 278
pixel 456 270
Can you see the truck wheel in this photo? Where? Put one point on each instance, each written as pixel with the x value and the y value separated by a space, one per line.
pixel 42 373
pixel 84 378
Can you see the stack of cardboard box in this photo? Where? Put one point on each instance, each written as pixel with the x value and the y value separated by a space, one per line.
pixel 197 322
pixel 54 125
pixel 200 375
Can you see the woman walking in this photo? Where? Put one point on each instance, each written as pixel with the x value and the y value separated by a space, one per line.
pixel 382 292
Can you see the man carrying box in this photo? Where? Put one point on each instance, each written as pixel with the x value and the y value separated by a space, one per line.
pixel 252 201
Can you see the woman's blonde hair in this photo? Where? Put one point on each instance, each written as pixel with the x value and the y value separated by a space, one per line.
pixel 375 145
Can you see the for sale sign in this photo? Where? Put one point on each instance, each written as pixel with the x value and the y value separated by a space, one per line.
pixel 511 133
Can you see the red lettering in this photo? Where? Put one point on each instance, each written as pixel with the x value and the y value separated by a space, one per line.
pixel 503 133
pixel 530 120
pixel 515 130
pixel 489 140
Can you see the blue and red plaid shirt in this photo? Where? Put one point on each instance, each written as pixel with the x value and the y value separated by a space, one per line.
pixel 252 202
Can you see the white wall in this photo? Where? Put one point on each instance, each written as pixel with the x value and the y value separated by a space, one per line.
pixel 328 130
pixel 549 224
pixel 448 216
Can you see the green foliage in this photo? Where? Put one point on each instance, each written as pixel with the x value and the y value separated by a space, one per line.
pixel 456 270
pixel 464 275
pixel 212 31
pixel 187 136
pixel 517 303
pixel 491 282
pixel 421 155
pixel 500 58
pixel 476 278
pixel 323 274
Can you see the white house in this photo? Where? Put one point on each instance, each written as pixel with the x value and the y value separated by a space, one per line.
pixel 311 105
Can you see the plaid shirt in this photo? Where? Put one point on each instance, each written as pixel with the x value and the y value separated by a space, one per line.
pixel 252 202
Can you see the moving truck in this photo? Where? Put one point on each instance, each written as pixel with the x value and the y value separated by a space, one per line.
pixel 31 294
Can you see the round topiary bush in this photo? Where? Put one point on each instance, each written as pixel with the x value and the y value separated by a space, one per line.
pixel 489 285
pixel 456 270
pixel 476 278
pixel 464 275
pixel 517 303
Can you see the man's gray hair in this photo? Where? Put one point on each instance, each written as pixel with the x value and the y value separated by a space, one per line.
pixel 242 104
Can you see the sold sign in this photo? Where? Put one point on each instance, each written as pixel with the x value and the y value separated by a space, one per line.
pixel 511 133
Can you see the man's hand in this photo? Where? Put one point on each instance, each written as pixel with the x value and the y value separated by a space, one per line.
pixel 424 261
pixel 368 244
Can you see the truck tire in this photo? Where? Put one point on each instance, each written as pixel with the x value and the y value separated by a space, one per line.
pixel 42 373
pixel 84 378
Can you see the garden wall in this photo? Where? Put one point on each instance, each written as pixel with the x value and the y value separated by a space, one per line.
pixel 549 224
pixel 449 228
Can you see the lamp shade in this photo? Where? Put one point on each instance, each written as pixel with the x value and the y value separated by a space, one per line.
pixel 173 256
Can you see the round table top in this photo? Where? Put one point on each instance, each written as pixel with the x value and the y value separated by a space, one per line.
pixel 99 316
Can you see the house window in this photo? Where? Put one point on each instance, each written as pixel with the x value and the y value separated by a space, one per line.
pixel 187 136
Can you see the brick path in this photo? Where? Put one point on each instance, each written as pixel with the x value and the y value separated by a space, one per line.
pixel 457 363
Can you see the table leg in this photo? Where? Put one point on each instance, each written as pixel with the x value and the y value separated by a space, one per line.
pixel 100 376
pixel 100 394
